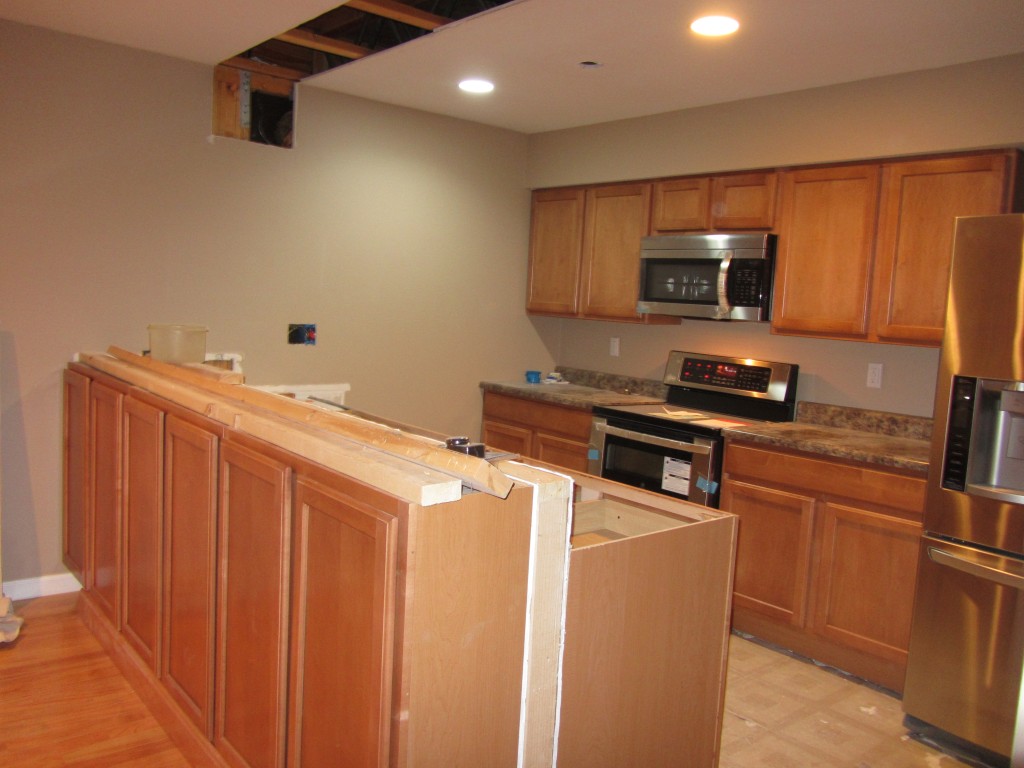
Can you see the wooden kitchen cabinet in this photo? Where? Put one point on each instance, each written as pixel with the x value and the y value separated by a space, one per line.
pixel 646 632
pixel 253 572
pixel 920 200
pixel 76 493
pixel 709 203
pixel 825 250
pixel 344 540
pixel 827 557
pixel 551 433
pixel 191 449
pixel 104 527
pixel 556 250
pixel 585 252
pixel 142 556
pixel 864 249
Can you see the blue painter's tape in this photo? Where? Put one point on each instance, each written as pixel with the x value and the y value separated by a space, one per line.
pixel 592 454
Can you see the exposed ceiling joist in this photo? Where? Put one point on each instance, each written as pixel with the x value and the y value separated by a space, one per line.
pixel 308 39
pixel 402 12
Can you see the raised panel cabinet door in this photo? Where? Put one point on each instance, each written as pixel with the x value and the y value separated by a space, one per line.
pixel 743 201
pixel 105 411
pixel 556 239
pixel 825 251
pixel 254 558
pixel 507 437
pixel 142 593
pixel 680 205
pixel 189 558
pixel 773 552
pixel 920 201
pixel 343 630
pixel 866 580
pixel 617 217
pixel 561 452
pixel 76 474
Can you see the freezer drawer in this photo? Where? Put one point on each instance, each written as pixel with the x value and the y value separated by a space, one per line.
pixel 967 644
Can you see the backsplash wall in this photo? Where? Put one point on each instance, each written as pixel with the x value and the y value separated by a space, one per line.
pixel 833 372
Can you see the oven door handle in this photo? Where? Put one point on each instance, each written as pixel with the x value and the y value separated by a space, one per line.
pixel 663 442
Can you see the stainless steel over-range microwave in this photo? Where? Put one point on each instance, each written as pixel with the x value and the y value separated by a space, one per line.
pixel 715 277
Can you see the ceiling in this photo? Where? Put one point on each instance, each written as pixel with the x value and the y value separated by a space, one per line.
pixel 532 49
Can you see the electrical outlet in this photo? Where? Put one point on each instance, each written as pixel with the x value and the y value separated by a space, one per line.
pixel 875 375
pixel 613 346
pixel 302 333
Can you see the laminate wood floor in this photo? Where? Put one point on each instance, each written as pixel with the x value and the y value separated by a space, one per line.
pixel 63 702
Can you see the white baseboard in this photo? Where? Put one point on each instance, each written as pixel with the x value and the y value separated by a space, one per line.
pixel 54 584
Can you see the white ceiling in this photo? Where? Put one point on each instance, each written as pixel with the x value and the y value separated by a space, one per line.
pixel 651 63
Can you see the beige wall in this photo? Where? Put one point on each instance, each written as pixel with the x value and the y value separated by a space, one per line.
pixel 402 235
pixel 971 106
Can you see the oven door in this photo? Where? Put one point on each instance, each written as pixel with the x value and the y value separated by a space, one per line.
pixel 685 466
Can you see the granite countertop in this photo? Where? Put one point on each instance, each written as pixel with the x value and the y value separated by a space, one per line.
pixel 874 437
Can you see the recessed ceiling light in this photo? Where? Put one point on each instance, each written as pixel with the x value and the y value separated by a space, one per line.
pixel 476 86
pixel 715 26
pixel 590 64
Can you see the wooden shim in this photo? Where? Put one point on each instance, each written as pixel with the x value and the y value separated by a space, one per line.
pixel 473 471
pixel 395 475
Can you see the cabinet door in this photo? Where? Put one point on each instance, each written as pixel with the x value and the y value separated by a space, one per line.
pixel 743 201
pixel 773 554
pixel 254 556
pixel 141 554
pixel 190 536
pixel 105 404
pixel 617 217
pixel 826 243
pixel 866 580
pixel 680 205
pixel 508 437
pixel 76 474
pixel 561 452
pixel 343 621
pixel 920 200
pixel 556 239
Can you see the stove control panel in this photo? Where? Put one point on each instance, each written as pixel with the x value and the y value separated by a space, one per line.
pixel 749 378
pixel 731 377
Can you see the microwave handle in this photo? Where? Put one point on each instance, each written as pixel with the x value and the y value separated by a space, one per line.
pixel 724 309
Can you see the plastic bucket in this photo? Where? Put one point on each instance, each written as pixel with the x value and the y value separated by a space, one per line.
pixel 178 343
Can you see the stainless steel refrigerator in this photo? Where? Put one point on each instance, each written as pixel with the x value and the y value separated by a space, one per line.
pixel 967 640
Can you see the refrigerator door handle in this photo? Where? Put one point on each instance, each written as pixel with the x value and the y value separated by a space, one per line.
pixel 974 568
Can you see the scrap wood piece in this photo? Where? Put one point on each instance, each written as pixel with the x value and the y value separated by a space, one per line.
pixel 424 452
pixel 475 472
pixel 393 474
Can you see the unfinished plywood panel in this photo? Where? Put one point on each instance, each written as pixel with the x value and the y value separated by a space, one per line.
pixel 646 633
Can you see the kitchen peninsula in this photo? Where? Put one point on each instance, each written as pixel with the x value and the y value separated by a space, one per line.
pixel 288 584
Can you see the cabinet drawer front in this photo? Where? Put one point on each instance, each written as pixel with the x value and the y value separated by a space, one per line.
pixel 835 477
pixel 556 419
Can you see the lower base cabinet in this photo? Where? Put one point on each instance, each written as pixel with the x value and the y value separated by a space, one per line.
pixel 827 557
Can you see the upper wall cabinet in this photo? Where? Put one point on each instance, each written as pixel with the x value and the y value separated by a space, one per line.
pixel 920 200
pixel 702 203
pixel 585 251
pixel 864 250
pixel 823 261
